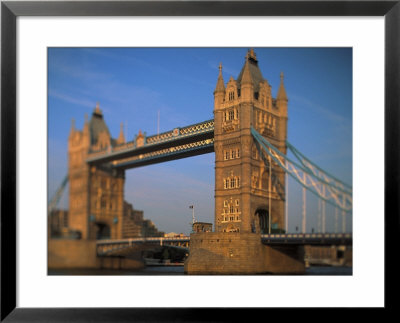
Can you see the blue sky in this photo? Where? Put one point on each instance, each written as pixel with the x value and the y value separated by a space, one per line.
pixel 134 85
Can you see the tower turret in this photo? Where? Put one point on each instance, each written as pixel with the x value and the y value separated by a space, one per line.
pixel 281 97
pixel 219 92
pixel 121 138
pixel 71 132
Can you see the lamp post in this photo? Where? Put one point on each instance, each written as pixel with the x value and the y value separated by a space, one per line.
pixel 193 220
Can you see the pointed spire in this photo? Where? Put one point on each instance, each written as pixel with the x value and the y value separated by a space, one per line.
pixel 121 138
pixel 220 83
pixel 281 91
pixel 246 76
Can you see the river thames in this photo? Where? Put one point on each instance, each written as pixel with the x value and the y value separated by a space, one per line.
pixel 178 270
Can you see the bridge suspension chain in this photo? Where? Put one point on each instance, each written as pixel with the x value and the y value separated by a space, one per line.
pixel 56 198
pixel 317 171
pixel 317 182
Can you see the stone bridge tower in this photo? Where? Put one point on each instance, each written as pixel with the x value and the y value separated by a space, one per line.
pixel 246 193
pixel 96 194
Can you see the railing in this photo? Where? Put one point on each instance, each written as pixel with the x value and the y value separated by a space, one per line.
pixel 108 246
pixel 308 238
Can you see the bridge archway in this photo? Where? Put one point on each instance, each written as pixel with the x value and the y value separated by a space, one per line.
pixel 263 220
pixel 103 231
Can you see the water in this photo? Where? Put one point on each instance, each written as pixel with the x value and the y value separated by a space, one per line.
pixel 178 270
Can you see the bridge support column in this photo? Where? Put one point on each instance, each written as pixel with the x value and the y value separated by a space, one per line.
pixel 241 254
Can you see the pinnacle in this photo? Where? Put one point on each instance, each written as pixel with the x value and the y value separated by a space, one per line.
pixel 281 91
pixel 220 83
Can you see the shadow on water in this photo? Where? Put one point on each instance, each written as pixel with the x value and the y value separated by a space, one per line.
pixel 178 270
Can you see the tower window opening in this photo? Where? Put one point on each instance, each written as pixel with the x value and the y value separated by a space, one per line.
pixel 231 182
pixel 226 155
pixel 226 183
pixel 231 115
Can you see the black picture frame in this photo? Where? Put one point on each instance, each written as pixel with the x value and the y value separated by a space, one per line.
pixel 10 10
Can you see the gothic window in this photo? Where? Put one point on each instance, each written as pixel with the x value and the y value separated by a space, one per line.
pixel 233 182
pixel 226 154
pixel 231 210
pixel 232 154
pixel 231 115
pixel 226 183
pixel 231 96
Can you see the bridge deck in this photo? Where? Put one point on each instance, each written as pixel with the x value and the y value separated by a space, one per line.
pixel 109 247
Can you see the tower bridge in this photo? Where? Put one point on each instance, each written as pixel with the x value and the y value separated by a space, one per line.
pixel 248 135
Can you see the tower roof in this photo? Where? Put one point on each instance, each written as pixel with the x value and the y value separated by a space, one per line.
pixel 97 125
pixel 250 71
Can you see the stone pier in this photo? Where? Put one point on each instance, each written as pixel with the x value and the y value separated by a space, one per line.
pixel 222 253
pixel 81 254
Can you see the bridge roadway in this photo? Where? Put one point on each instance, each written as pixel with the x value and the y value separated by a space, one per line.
pixel 122 247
